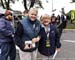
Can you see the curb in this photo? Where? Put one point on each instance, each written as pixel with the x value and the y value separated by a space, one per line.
pixel 68 29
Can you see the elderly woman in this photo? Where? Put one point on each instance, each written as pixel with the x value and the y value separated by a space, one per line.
pixel 27 35
pixel 49 42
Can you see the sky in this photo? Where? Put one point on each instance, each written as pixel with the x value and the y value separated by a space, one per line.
pixel 57 4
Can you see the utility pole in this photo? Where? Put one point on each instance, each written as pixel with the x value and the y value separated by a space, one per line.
pixel 52 5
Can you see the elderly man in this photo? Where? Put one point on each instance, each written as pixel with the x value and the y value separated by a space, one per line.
pixel 7 46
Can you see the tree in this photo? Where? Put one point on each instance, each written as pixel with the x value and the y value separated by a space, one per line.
pixel 31 2
pixel 6 4
pixel 2 4
pixel 73 0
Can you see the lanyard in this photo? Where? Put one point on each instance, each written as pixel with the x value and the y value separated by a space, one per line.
pixel 47 32
pixel 47 41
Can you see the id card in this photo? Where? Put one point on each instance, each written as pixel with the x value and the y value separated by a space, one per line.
pixel 47 43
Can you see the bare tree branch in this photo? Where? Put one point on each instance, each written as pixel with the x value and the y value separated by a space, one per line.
pixel 32 3
pixel 25 4
pixel 2 4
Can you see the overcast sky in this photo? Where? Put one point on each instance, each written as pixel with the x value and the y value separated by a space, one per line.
pixel 57 4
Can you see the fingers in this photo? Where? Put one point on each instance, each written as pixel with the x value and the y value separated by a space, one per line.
pixel 58 49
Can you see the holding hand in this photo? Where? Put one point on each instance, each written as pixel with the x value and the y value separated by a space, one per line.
pixel 34 40
pixel 58 50
pixel 26 46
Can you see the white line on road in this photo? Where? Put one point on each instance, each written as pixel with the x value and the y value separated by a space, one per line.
pixel 69 41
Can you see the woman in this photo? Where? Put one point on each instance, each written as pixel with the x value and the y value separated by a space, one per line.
pixel 49 42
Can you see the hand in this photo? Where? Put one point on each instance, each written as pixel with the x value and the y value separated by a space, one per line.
pixel 58 50
pixel 12 35
pixel 26 47
pixel 38 38
pixel 34 40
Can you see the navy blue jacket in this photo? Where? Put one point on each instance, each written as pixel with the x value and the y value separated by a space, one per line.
pixel 6 30
pixel 26 32
pixel 53 39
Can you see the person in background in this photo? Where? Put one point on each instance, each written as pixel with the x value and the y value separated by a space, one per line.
pixel 49 41
pixel 58 19
pixel 25 14
pixel 7 45
pixel 59 25
pixel 63 21
pixel 27 36
pixel 53 19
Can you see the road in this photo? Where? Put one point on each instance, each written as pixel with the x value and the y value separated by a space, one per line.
pixel 68 46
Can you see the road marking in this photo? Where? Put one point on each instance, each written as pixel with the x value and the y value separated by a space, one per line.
pixel 69 41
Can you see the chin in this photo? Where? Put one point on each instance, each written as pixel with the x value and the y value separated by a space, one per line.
pixel 33 19
pixel 46 23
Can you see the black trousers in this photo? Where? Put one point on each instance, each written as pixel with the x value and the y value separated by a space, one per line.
pixel 7 50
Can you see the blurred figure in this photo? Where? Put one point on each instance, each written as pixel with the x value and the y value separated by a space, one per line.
pixel 58 20
pixel 7 46
pixel 53 19
pixel 49 41
pixel 27 35
pixel 63 21
pixel 59 25
pixel 25 14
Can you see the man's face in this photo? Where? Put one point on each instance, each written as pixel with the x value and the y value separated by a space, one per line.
pixel 32 15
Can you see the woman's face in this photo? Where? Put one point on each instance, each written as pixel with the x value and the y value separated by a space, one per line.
pixel 46 21
pixel 32 15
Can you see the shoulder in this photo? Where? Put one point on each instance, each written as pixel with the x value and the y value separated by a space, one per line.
pixel 37 21
pixel 2 19
pixel 24 21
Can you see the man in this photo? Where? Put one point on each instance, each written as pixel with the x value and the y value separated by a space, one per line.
pixel 7 46
pixel 27 35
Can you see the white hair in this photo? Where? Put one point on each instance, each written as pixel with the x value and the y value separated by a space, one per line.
pixel 33 9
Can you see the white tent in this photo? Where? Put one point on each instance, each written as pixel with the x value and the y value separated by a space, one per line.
pixel 70 6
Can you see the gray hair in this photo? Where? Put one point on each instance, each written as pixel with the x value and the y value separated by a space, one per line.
pixel 35 9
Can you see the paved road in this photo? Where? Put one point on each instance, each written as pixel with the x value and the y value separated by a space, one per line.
pixel 68 46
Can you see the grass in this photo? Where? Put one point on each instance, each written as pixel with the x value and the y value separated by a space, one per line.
pixel 70 25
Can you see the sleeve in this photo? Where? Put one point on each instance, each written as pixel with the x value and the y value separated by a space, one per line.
pixel 57 39
pixel 18 36
pixel 40 32
pixel 4 29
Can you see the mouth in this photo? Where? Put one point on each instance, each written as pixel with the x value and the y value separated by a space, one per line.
pixel 45 21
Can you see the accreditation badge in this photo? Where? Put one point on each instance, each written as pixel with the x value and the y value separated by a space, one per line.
pixel 48 43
